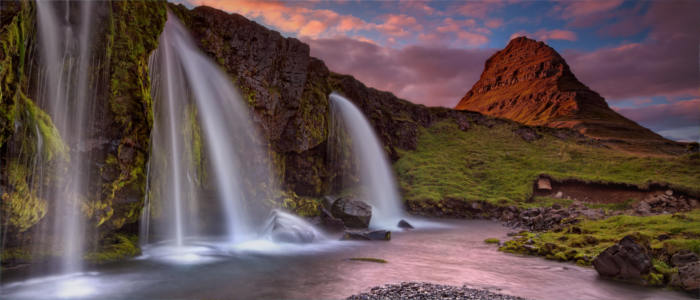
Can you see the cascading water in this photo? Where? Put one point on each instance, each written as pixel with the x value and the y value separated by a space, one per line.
pixel 189 90
pixel 376 179
pixel 64 89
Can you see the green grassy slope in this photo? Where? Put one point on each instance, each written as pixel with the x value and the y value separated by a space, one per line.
pixel 498 166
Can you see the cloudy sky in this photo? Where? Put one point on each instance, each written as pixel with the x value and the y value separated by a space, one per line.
pixel 642 56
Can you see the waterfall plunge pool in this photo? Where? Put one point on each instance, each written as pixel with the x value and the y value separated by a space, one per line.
pixel 454 254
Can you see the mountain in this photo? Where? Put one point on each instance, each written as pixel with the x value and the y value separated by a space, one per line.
pixel 529 82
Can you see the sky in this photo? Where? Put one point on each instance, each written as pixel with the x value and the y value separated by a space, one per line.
pixel 641 56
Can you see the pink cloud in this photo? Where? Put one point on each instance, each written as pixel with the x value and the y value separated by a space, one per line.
pixel 398 25
pixel 478 9
pixel 299 18
pixel 434 76
pixel 666 116
pixel 585 13
pixel 493 23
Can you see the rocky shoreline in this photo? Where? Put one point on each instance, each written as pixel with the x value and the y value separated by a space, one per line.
pixel 424 290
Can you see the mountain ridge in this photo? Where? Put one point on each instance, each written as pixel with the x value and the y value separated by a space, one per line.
pixel 529 82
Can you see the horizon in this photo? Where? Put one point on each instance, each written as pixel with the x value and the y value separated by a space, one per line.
pixel 636 55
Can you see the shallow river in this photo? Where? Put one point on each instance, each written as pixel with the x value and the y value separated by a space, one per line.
pixel 455 255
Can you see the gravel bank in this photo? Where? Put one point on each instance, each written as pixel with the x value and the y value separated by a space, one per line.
pixel 421 290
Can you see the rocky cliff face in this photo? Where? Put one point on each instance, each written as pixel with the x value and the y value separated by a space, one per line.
pixel 288 90
pixel 118 150
pixel 531 83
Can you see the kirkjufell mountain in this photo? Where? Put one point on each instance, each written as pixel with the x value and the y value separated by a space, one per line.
pixel 529 82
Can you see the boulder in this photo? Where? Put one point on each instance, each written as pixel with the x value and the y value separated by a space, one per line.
pixel 329 222
pixel 405 225
pixel 626 260
pixel 688 277
pixel 367 235
pixel 544 184
pixel 353 213
pixel 683 257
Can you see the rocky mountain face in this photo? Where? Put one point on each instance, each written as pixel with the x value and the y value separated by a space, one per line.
pixel 529 82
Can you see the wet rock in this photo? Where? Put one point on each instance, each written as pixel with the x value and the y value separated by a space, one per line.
pixel 544 184
pixel 683 257
pixel 405 225
pixel 353 213
pixel 626 260
pixel 368 235
pixel 329 222
pixel 688 277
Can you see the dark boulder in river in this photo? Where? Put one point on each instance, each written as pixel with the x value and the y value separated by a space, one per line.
pixel 353 213
pixel 626 260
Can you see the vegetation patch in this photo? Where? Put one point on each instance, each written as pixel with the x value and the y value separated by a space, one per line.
pixel 369 259
pixel 497 166
pixel 582 242
pixel 118 247
pixel 492 241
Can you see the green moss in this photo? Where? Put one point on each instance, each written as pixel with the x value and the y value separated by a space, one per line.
pixel 492 241
pixel 21 207
pixel 598 235
pixel 302 206
pixel 132 34
pixel 369 259
pixel 498 166
pixel 116 248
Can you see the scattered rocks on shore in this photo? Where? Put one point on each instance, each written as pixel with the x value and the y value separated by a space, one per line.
pixel 626 260
pixel 688 277
pixel 418 290
pixel 662 203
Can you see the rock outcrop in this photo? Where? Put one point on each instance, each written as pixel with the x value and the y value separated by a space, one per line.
pixel 531 83
pixel 626 260
pixel 353 213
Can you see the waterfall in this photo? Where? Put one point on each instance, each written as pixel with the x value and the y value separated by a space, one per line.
pixel 376 179
pixel 65 90
pixel 226 197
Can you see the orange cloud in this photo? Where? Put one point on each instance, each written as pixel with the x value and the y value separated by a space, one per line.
pixel 398 25
pixel 299 18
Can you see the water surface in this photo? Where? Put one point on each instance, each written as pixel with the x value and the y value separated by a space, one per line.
pixel 454 255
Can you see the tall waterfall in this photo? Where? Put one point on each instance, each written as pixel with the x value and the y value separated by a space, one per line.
pixel 65 90
pixel 376 179
pixel 192 95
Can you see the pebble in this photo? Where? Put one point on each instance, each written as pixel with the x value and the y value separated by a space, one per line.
pixel 422 290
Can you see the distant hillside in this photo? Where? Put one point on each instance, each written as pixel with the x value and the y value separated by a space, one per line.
pixel 529 82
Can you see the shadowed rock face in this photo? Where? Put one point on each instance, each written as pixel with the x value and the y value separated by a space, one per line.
pixel 287 91
pixel 531 83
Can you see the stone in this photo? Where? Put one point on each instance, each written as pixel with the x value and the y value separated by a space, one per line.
pixel 405 225
pixel 683 257
pixel 353 213
pixel 626 260
pixel 688 277
pixel 367 235
pixel 544 184
pixel 669 192
pixel 329 222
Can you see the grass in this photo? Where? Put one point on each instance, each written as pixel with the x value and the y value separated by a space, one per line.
pixel 584 241
pixel 498 166
pixel 492 241
pixel 369 259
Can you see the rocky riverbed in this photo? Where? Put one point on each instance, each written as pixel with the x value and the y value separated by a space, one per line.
pixel 423 290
